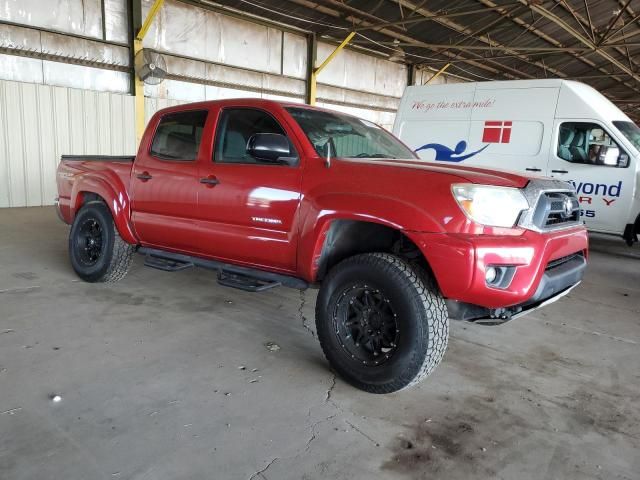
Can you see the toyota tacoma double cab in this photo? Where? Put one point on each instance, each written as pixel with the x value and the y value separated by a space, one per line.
pixel 271 194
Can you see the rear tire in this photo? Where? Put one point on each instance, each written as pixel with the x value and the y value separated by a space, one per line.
pixel 96 250
pixel 382 324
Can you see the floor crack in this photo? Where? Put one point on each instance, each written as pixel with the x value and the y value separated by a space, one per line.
pixel 260 472
pixel 362 433
pixel 330 391
pixel 303 319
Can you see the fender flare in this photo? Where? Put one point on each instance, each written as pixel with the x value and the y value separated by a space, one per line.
pixel 107 189
pixel 390 212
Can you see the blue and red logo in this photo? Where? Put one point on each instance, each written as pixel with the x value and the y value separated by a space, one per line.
pixel 494 132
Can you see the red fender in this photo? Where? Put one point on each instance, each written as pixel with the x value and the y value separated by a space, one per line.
pixel 318 216
pixel 117 200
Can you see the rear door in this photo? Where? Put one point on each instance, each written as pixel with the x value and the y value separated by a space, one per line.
pixel 585 154
pixel 165 183
pixel 247 211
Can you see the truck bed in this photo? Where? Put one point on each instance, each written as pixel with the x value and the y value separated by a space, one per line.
pixel 89 172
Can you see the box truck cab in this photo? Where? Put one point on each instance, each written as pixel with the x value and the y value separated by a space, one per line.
pixel 558 128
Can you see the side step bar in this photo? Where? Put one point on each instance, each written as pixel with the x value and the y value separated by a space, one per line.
pixel 165 264
pixel 244 278
pixel 242 282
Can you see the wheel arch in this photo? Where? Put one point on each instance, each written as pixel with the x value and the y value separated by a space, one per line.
pixel 92 188
pixel 344 238
pixel 331 216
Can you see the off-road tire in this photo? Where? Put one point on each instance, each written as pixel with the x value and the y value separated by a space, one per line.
pixel 422 319
pixel 115 256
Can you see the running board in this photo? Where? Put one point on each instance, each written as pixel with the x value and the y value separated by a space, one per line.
pixel 165 264
pixel 244 278
pixel 242 282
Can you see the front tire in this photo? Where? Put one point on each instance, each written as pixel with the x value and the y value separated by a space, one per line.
pixel 382 324
pixel 96 250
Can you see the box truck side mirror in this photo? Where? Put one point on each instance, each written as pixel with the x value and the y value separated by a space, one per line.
pixel 623 160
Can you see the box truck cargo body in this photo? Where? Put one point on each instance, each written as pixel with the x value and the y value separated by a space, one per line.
pixel 557 128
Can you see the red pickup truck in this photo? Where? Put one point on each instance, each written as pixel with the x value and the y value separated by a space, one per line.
pixel 271 194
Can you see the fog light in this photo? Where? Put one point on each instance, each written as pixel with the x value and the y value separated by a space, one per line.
pixel 490 274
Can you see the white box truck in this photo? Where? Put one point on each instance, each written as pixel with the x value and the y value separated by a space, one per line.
pixel 557 128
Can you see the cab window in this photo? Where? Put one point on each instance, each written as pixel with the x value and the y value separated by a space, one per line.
pixel 178 136
pixel 235 127
pixel 589 143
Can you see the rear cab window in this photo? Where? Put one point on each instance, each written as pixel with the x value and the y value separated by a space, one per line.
pixel 179 135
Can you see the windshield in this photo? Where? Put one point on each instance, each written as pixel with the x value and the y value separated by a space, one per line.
pixel 631 131
pixel 347 137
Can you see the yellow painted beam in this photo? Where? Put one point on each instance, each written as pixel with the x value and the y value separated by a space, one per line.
pixel 344 43
pixel 139 84
pixel 312 88
pixel 139 99
pixel 147 22
pixel 438 73
pixel 314 74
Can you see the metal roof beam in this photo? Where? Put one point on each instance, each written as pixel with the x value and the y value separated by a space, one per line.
pixel 411 21
pixel 484 39
pixel 603 37
pixel 576 35
pixel 542 35
pixel 356 21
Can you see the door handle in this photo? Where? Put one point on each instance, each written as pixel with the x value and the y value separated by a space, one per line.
pixel 210 181
pixel 559 171
pixel 144 176
pixel 533 169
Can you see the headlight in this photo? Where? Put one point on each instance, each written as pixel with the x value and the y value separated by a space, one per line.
pixel 491 206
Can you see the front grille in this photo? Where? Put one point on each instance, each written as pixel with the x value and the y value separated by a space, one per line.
pixel 562 260
pixel 550 200
pixel 556 210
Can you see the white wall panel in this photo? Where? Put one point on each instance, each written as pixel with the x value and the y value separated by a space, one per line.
pixel 20 69
pixel 116 20
pixel 38 123
pixel 82 17
pixel 78 76
pixel 294 51
pixel 358 71
pixel 195 32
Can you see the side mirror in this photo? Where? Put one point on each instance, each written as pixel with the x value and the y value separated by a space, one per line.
pixel 623 160
pixel 270 147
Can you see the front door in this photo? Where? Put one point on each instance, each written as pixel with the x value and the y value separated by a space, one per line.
pixel 248 207
pixel 165 183
pixel 585 154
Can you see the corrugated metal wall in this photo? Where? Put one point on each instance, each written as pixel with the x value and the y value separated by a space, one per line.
pixel 38 123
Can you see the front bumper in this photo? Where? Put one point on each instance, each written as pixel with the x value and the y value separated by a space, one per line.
pixel 545 265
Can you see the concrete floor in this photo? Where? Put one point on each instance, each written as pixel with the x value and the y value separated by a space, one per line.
pixel 167 376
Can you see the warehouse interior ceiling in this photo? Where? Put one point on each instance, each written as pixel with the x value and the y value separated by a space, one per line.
pixel 593 41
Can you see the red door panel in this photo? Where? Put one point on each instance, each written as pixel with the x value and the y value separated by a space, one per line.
pixel 249 215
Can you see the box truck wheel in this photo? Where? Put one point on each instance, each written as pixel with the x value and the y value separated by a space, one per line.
pixel 382 324
pixel 97 252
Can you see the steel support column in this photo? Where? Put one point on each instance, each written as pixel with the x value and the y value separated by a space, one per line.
pixel 310 91
pixel 139 30
pixel 313 71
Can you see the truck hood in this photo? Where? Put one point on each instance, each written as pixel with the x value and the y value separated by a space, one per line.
pixel 465 174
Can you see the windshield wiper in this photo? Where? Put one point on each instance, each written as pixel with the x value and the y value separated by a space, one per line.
pixel 372 155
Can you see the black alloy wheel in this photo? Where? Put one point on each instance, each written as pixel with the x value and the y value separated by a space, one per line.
pixel 366 324
pixel 89 242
